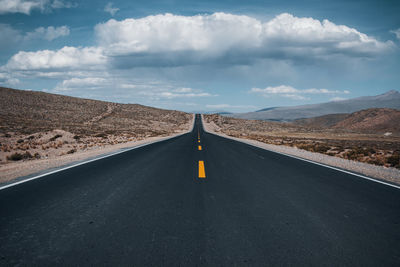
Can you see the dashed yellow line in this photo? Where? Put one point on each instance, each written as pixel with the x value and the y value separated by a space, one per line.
pixel 199 147
pixel 199 141
pixel 202 172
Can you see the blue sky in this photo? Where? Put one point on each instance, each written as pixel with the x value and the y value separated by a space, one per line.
pixel 202 55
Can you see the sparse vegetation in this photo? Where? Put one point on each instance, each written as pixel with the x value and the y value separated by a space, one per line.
pixel 71 151
pixel 368 148
pixel 102 135
pixel 18 156
pixel 48 126
pixel 55 137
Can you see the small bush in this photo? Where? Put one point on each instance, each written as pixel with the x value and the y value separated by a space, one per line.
pixel 18 156
pixel 55 137
pixel 77 137
pixel 20 141
pixel 37 155
pixel 71 151
pixel 7 135
pixel 321 148
pixel 31 137
pixel 393 160
pixel 102 135
pixel 15 157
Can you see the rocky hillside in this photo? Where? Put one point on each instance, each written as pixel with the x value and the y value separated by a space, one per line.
pixel 325 121
pixel 27 112
pixel 375 120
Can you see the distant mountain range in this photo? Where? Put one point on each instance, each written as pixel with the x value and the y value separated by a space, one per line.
pixel 390 99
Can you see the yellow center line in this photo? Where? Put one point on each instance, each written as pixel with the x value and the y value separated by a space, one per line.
pixel 199 141
pixel 202 172
pixel 199 147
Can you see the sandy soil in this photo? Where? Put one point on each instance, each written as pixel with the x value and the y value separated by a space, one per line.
pixel 379 172
pixel 65 150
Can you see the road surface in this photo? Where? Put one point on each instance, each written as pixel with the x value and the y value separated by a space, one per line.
pixel 159 205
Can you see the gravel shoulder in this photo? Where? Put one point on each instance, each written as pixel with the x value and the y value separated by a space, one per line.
pixel 391 175
pixel 20 170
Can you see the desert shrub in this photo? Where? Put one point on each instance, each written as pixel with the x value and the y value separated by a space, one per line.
pixel 376 161
pixel 15 157
pixel 393 160
pixel 19 141
pixel 55 137
pixel 305 147
pixel 37 155
pixel 18 156
pixel 321 148
pixel 77 137
pixel 71 151
pixel 103 135
pixel 31 137
pixel 352 154
pixel 7 135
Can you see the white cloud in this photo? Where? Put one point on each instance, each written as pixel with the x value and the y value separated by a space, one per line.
pixel 49 33
pixel 171 40
pixel 8 80
pixel 56 4
pixel 223 106
pixel 293 93
pixel 66 57
pixel 183 90
pixel 337 99
pixel 175 93
pixel 87 83
pixel 110 9
pixel 396 32
pixel 26 7
pixel 220 33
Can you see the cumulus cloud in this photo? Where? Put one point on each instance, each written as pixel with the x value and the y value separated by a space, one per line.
pixel 87 83
pixel 221 34
pixel 49 33
pixel 171 40
pixel 65 58
pixel 293 93
pixel 7 79
pixel 396 32
pixel 110 9
pixel 26 7
pixel 175 93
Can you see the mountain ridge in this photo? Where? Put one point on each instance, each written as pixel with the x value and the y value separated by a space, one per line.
pixel 390 99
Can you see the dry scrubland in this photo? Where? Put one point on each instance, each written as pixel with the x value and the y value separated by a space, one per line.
pixel 369 142
pixel 35 125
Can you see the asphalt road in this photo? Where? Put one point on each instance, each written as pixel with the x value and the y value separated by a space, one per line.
pixel 148 207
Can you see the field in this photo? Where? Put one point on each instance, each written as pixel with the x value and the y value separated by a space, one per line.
pixel 35 125
pixel 379 149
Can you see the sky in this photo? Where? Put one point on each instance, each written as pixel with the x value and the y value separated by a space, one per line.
pixel 235 56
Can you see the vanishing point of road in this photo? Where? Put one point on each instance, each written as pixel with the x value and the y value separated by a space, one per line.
pixel 200 200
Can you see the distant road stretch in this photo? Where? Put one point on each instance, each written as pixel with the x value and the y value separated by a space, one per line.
pixel 200 200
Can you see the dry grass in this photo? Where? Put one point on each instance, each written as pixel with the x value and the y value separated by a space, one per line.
pixel 47 125
pixel 370 148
